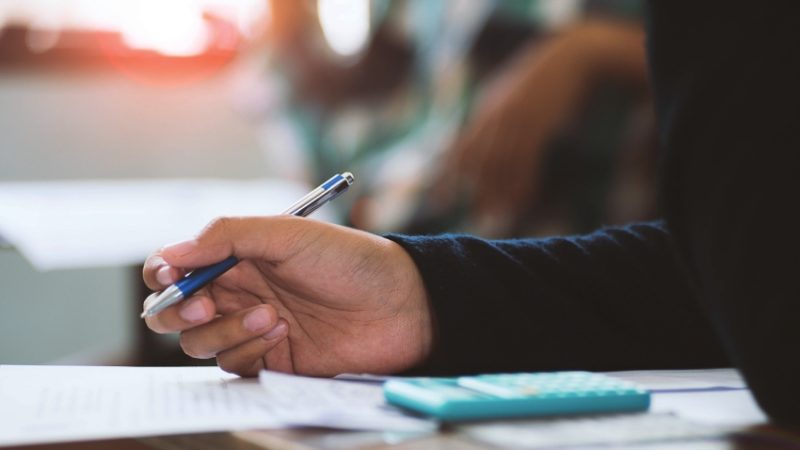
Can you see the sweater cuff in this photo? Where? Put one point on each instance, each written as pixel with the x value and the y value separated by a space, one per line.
pixel 449 283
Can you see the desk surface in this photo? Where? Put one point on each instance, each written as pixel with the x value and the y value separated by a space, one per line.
pixel 763 437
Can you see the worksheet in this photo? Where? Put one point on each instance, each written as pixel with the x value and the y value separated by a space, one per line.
pixel 41 404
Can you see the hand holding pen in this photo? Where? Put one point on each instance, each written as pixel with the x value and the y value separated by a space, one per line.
pixel 198 278
pixel 306 297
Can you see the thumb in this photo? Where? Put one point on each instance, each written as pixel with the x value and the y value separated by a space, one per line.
pixel 271 238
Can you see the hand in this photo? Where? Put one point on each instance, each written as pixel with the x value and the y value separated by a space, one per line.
pixel 307 297
pixel 499 156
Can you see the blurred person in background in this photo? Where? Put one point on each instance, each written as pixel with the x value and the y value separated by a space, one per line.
pixel 502 159
pixel 391 106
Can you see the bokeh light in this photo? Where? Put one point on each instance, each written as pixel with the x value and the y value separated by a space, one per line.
pixel 170 28
pixel 345 24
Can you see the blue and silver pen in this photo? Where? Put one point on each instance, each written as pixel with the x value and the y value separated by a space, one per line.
pixel 198 278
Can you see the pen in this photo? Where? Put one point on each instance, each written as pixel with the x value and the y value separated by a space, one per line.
pixel 198 278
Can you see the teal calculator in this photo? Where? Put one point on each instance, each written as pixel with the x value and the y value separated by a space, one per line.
pixel 516 395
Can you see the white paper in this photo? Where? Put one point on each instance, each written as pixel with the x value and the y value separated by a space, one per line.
pixel 684 380
pixel 40 404
pixel 696 405
pixel 336 404
pixel 605 431
pixel 708 396
pixel 72 224
pixel 653 380
pixel 734 408
pixel 364 377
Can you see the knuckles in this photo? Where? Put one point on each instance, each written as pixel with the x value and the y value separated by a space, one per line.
pixel 220 226
pixel 151 265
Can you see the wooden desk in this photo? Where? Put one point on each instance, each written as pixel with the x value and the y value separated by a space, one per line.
pixel 757 438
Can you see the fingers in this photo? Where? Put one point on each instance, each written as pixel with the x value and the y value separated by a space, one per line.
pixel 266 238
pixel 240 340
pixel 187 314
pixel 157 274
pixel 279 358
pixel 227 332
pixel 242 336
pixel 268 351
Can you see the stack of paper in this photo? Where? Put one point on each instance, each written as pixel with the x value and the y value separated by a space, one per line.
pixel 608 431
pixel 684 380
pixel 40 404
pixel 335 404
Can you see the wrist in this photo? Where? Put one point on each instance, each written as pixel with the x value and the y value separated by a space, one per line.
pixel 415 308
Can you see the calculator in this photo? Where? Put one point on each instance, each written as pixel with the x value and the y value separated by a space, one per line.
pixel 516 395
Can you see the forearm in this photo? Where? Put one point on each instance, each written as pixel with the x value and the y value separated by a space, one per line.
pixel 551 79
pixel 613 50
pixel 610 300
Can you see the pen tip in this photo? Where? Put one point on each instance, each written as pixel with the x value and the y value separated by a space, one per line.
pixel 143 315
pixel 348 176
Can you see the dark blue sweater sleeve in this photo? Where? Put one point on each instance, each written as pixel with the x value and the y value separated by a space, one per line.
pixel 726 78
pixel 611 300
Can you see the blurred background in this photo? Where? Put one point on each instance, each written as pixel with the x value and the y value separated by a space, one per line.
pixel 497 118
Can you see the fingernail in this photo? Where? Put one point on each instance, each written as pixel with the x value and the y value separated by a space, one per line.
pixel 164 275
pixel 279 330
pixel 256 320
pixel 192 312
pixel 182 248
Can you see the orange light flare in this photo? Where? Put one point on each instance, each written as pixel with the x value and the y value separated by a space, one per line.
pixel 153 41
pixel 173 42
pixel 152 66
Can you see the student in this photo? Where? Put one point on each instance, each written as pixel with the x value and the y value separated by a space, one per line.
pixel 589 79
pixel 712 285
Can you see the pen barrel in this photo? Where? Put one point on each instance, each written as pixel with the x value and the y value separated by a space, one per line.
pixel 324 193
pixel 204 275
